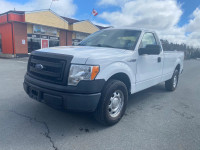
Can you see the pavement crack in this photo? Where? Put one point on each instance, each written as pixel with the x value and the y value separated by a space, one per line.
pixel 46 134
pixel 157 107
pixel 183 114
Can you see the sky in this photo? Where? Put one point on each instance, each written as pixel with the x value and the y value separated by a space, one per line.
pixel 175 20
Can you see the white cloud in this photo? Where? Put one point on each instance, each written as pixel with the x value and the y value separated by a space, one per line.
pixel 160 15
pixel 154 14
pixel 194 28
pixel 62 7
pixel 194 24
pixel 112 2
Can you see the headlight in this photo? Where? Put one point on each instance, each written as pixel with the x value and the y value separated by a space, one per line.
pixel 82 72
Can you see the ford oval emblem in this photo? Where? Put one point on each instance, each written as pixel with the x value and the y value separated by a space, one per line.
pixel 39 66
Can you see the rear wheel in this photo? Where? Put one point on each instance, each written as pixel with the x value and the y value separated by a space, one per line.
pixel 172 83
pixel 113 103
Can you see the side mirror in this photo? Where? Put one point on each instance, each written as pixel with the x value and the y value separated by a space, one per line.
pixel 150 50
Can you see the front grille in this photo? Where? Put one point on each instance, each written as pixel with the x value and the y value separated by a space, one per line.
pixel 49 68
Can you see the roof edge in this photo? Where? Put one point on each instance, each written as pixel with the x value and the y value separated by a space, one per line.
pixel 43 10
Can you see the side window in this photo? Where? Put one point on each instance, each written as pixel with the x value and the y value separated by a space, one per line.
pixel 148 39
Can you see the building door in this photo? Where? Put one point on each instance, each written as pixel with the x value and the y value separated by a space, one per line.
pixel 44 43
pixel 0 44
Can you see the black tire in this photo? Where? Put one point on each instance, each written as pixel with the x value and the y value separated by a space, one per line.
pixel 104 112
pixel 172 83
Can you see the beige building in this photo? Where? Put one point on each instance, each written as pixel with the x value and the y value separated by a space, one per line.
pixel 40 29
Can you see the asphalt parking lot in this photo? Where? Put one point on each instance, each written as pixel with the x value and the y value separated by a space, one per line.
pixel 155 119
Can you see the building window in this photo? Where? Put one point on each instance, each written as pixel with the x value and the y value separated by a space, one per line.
pixel 78 36
pixel 37 29
pixel 0 44
pixel 34 41
pixel 53 43
pixel 34 44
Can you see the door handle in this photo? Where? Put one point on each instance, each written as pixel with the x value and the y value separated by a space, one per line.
pixel 159 59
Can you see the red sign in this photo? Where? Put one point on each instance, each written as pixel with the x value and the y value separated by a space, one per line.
pixel 45 43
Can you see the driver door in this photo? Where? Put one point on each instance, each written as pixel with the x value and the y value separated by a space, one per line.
pixel 149 66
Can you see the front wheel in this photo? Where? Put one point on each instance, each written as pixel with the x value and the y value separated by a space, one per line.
pixel 113 103
pixel 172 83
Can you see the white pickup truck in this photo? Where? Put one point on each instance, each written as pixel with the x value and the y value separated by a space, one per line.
pixel 101 72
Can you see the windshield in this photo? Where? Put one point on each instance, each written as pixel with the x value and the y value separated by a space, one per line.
pixel 114 38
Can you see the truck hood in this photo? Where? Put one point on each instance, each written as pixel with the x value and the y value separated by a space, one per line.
pixel 83 53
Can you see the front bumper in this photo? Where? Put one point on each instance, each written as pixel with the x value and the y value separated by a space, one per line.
pixel 84 101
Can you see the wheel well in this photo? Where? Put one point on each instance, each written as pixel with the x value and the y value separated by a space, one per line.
pixel 178 67
pixel 124 78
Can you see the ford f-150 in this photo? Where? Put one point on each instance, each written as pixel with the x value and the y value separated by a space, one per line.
pixel 101 72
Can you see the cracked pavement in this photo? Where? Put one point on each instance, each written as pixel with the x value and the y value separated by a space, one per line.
pixel 155 119
pixel 46 134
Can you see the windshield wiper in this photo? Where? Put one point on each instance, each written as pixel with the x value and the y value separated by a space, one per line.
pixel 102 45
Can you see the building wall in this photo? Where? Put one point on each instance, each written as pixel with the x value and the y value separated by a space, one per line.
pixel 63 39
pixel 16 17
pixel 69 38
pixel 46 18
pixel 85 27
pixel 20 33
pixel 12 17
pixel 73 35
pixel 29 28
pixel 3 18
pixel 6 35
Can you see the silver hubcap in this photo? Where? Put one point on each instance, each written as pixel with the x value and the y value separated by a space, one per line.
pixel 175 81
pixel 116 103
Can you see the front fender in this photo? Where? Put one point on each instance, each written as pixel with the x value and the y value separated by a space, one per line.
pixel 118 67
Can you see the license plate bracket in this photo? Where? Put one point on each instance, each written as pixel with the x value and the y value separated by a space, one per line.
pixel 33 93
